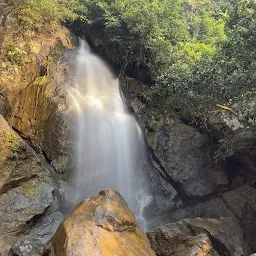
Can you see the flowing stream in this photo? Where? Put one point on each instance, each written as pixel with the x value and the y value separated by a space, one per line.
pixel 110 150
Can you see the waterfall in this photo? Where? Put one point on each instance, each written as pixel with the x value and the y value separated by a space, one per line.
pixel 110 150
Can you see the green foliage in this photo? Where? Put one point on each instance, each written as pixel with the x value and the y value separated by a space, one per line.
pixel 58 52
pixel 155 33
pixel 201 52
pixel 197 91
pixel 44 14
pixel 15 55
pixel 190 91
pixel 236 142
pixel 240 50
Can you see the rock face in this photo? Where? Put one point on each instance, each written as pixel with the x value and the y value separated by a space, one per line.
pixel 3 105
pixel 26 187
pixel 101 225
pixel 33 97
pixel 40 113
pixel 181 156
pixel 193 237
pixel 204 188
pixel 186 181
pixel 186 156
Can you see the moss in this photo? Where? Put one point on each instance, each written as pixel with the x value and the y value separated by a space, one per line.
pixel 61 164
pixel 41 80
pixel 4 196
pixel 24 83
pixel 152 138
pixel 58 51
pixel 46 63
pixel 31 188
pixel 16 55
pixel 9 144
pixel 25 211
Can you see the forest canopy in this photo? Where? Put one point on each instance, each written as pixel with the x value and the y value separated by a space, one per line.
pixel 201 54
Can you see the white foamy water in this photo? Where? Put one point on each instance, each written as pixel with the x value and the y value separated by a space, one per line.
pixel 110 150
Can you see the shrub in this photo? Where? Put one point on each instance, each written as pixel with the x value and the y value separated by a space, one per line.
pixel 44 14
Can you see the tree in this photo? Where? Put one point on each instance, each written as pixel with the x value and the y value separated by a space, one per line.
pixel 154 33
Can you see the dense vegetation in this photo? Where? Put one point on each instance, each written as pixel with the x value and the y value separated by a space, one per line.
pixel 201 53
pixel 156 33
pixel 24 20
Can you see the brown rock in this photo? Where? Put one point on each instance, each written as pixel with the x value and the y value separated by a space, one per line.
pixel 238 198
pixel 166 242
pixel 101 225
pixel 194 237
pixel 242 202
pixel 32 96
pixel 40 113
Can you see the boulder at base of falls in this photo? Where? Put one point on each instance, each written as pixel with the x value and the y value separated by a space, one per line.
pixel 198 237
pixel 100 226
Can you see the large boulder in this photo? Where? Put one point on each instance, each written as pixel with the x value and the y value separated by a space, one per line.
pixel 26 187
pixel 186 156
pixel 191 237
pixel 166 197
pixel 101 225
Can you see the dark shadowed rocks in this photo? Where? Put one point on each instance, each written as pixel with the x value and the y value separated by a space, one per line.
pixel 191 237
pixel 186 156
pixel 34 241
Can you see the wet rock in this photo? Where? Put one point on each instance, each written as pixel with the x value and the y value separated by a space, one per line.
pixel 40 113
pixel 242 202
pixel 6 244
pixel 20 205
pixel 238 198
pixel 26 187
pixel 248 222
pixel 66 193
pixel 36 93
pixel 165 196
pixel 101 225
pixel 34 241
pixel 178 244
pixel 186 156
pixel 46 227
pixel 28 247
pixel 213 208
pixel 224 235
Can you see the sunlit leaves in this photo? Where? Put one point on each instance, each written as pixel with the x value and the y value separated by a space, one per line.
pixel 44 14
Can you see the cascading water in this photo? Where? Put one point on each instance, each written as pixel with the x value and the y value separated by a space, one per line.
pixel 110 148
